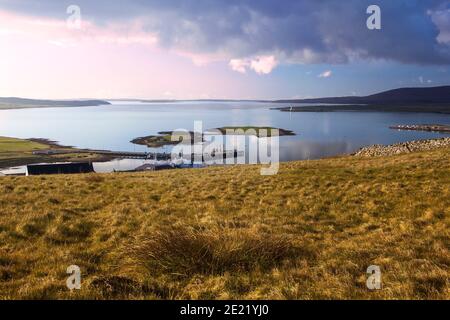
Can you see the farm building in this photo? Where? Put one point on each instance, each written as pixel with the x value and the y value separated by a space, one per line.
pixel 59 168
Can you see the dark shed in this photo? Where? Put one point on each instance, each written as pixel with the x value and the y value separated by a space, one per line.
pixel 59 168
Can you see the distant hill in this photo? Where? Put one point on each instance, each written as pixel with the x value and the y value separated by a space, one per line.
pixel 402 96
pixel 12 102
pixel 437 97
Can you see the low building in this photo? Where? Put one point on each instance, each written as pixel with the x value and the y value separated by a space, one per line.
pixel 45 152
pixel 59 168
pixel 154 167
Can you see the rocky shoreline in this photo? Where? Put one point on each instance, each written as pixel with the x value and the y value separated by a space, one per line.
pixel 404 147
pixel 423 127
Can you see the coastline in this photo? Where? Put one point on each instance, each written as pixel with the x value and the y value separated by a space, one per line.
pixel 49 151
pixel 22 103
pixel 431 108
pixel 21 107
pixel 16 152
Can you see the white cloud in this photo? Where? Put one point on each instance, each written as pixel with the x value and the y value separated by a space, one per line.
pixel 325 74
pixel 259 64
pixel 264 64
pixel 441 19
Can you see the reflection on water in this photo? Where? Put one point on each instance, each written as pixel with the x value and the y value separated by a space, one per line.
pixel 294 150
pixel 116 165
pixel 122 165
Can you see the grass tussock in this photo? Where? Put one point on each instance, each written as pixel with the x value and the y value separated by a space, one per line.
pixel 309 232
pixel 189 251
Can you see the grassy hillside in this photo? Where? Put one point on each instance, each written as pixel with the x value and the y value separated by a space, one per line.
pixel 309 232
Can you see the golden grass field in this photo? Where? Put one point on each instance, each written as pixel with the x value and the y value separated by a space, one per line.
pixel 309 232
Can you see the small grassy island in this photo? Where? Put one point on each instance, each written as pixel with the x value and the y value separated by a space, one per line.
pixel 164 138
pixel 248 131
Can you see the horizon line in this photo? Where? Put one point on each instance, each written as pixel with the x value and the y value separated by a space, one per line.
pixel 220 99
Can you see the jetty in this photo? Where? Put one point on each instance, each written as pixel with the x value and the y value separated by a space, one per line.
pixel 162 156
pixel 109 154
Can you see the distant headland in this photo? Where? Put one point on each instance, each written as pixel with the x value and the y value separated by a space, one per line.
pixel 21 103
pixel 430 100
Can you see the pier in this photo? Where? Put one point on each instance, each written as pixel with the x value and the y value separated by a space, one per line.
pixel 162 156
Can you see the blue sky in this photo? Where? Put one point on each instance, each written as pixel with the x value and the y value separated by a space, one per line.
pixel 186 49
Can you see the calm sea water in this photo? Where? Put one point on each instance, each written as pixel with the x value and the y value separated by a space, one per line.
pixel 112 127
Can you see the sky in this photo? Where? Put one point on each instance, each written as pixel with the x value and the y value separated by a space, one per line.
pixel 220 49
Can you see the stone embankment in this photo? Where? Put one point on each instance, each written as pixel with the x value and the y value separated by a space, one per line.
pixel 423 127
pixel 404 147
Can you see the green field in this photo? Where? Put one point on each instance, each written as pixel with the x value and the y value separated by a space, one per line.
pixel 19 145
pixel 17 152
pixel 309 232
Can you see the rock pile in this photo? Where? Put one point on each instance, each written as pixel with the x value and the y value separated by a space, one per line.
pixel 405 147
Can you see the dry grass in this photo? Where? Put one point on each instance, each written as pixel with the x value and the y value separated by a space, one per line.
pixel 186 251
pixel 309 232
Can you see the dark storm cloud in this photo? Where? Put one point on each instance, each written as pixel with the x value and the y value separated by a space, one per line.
pixel 305 31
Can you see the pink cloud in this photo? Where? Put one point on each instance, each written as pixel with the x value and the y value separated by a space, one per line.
pixel 43 58
pixel 239 65
pixel 58 33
